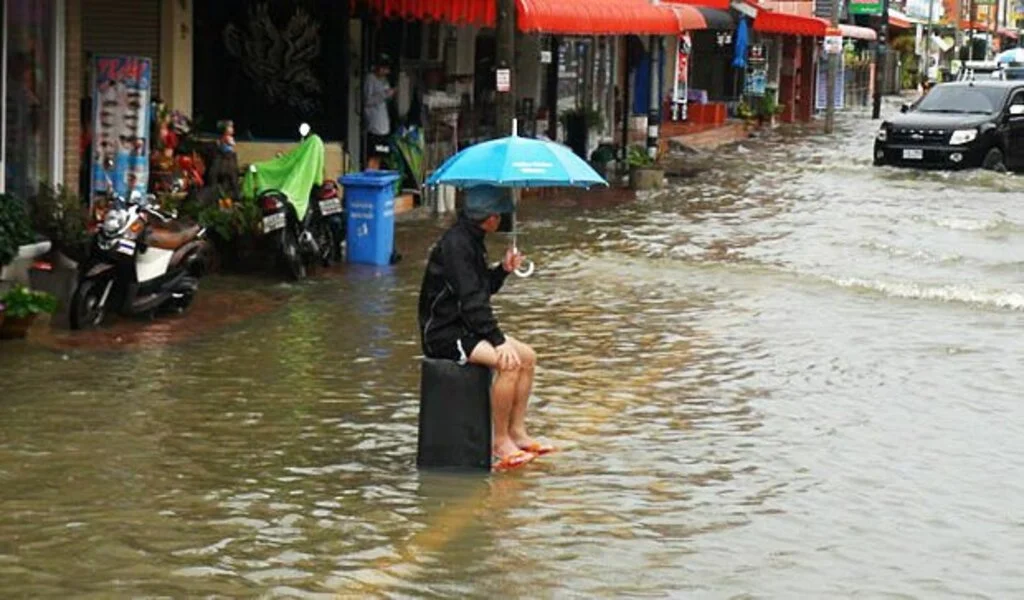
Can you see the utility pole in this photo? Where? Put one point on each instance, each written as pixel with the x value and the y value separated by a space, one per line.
pixel 928 39
pixel 505 54
pixel 972 11
pixel 833 71
pixel 880 56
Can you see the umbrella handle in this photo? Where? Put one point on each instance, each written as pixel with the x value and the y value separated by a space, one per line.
pixel 521 272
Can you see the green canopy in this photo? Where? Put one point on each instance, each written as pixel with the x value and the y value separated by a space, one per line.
pixel 294 174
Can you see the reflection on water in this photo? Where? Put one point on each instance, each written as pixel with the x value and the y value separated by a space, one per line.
pixel 793 375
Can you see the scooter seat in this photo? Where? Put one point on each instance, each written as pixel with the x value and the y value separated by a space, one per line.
pixel 172 239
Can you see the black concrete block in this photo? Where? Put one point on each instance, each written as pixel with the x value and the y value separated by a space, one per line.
pixel 455 416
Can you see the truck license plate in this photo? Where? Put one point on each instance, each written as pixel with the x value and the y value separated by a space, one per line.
pixel 913 154
pixel 273 222
pixel 330 207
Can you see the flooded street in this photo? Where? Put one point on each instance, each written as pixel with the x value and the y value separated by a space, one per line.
pixel 793 376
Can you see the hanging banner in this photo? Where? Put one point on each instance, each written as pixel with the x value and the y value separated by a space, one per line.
pixel 821 88
pixel 121 101
pixel 681 89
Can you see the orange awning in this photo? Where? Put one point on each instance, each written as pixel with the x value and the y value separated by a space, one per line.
pixel 719 4
pixel 689 17
pixel 789 24
pixel 569 17
pixel 596 17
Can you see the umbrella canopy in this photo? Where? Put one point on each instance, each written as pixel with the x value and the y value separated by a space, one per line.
pixel 1013 55
pixel 518 163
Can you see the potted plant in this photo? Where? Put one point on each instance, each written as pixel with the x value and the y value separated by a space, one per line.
pixel 15 229
pixel 746 112
pixel 58 213
pixel 644 172
pixel 770 110
pixel 22 306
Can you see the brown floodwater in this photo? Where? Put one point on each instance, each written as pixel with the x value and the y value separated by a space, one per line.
pixel 793 375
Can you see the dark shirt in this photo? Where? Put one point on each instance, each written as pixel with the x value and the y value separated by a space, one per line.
pixel 455 298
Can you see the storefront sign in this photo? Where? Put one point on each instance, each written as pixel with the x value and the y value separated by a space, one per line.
pixel 865 7
pixel 121 100
pixel 757 82
pixel 833 44
pixel 504 80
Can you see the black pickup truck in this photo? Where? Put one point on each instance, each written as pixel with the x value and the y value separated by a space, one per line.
pixel 958 125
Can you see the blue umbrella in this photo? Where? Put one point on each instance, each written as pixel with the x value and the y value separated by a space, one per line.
pixel 739 59
pixel 1013 55
pixel 516 162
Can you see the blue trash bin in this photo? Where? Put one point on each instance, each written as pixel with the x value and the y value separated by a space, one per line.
pixel 370 216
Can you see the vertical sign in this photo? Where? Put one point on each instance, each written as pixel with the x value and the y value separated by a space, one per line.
pixel 681 88
pixel 121 100
pixel 821 93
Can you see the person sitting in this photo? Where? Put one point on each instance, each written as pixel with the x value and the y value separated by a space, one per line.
pixel 457 321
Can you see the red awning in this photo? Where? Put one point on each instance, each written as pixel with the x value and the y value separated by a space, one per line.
pixel 719 4
pixel 689 18
pixel 899 20
pixel 596 17
pixel 788 24
pixel 475 12
pixel 1008 33
pixel 570 17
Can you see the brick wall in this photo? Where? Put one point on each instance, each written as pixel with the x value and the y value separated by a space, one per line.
pixel 72 91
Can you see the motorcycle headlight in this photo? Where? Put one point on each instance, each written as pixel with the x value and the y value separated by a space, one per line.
pixel 114 221
pixel 883 134
pixel 963 136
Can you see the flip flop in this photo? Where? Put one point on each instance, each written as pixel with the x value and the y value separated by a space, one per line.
pixel 512 461
pixel 540 449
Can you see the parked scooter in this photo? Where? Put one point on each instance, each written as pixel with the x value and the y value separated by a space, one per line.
pixel 142 261
pixel 301 242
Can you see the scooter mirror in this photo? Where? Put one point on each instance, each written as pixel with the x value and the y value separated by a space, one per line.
pixel 304 129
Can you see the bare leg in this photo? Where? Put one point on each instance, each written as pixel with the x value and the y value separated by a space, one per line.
pixel 503 395
pixel 524 387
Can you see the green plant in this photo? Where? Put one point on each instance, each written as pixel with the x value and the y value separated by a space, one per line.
pixel 227 217
pixel 637 156
pixel 15 228
pixel 22 302
pixel 745 111
pixel 58 213
pixel 769 107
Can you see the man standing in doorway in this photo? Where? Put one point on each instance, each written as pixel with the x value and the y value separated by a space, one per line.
pixel 376 93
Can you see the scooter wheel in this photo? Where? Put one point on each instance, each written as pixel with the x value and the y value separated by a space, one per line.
pixel 291 257
pixel 86 310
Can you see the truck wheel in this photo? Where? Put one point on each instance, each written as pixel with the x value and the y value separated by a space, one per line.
pixel 994 161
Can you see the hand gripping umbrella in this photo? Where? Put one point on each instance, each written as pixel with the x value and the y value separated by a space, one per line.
pixel 516 162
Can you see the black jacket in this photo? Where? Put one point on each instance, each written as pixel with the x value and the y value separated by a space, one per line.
pixel 455 298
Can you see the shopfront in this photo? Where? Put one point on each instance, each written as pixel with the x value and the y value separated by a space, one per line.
pixel 32 140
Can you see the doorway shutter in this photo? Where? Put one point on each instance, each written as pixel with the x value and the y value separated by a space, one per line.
pixel 120 27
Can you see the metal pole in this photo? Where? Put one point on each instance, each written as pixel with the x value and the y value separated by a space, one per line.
pixel 928 39
pixel 881 54
pixel 970 30
pixel 505 54
pixel 654 114
pixel 830 79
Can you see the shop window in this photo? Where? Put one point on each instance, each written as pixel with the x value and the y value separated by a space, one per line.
pixel 29 95
pixel 270 65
